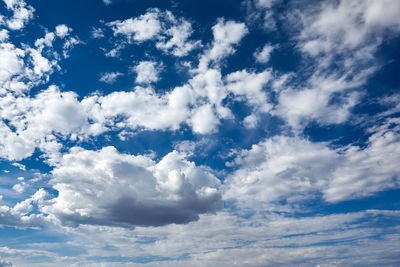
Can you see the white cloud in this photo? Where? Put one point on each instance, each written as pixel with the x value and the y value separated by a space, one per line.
pixel 34 120
pixel 263 55
pixel 280 168
pixel 47 40
pixel 251 121
pixel 69 44
pixel 250 87
pixel 26 67
pixel 209 84
pixel 260 12
pixel 214 240
pixel 171 33
pixel 264 3
pixel 204 93
pixel 5 263
pixel 97 33
pixel 107 2
pixel 22 13
pixel 294 169
pixel 161 112
pixel 109 77
pixel 26 124
pixel 147 72
pixel 368 170
pixel 41 65
pixel 348 25
pixel 109 188
pixel 62 30
pixel 102 188
pixel 20 166
pixel 345 34
pixel 21 187
pixel 18 216
pixel 4 35
pixel 140 108
pixel 178 33
pixel 204 120
pixel 226 35
pixel 299 106
pixel 11 62
pixel 115 52
pixel 142 28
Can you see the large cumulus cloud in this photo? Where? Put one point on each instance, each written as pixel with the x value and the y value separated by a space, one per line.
pixel 106 187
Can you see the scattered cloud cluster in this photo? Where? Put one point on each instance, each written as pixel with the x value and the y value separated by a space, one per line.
pixel 255 206
pixel 22 13
pixel 170 33
pixel 20 215
pixel 348 25
pixel 295 170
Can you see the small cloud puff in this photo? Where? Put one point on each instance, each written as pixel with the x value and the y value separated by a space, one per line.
pixel 147 72
pixel 109 77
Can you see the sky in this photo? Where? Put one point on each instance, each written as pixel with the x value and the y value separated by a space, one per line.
pixel 199 133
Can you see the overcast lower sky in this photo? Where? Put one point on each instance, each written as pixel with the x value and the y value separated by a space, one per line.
pixel 199 133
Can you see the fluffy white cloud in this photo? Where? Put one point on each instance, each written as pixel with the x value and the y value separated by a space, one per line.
pixel 147 72
pixel 19 215
pixel 3 35
pixel 62 30
pixel 280 168
pixel 294 169
pixel 144 27
pixel 204 120
pixel 208 88
pixel 249 87
pixel 20 188
pixel 172 33
pixel 226 35
pixel 100 189
pixel 41 65
pixel 343 33
pixel 199 103
pixel 32 121
pixel 35 121
pixel 299 106
pixel 11 62
pixel 26 67
pixel 140 108
pixel 176 37
pixel 109 188
pixel 348 24
pixel 29 122
pixel 251 121
pixel 47 40
pixel 369 170
pixel 22 13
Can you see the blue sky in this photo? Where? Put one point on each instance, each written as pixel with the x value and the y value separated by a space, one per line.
pixel 199 133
